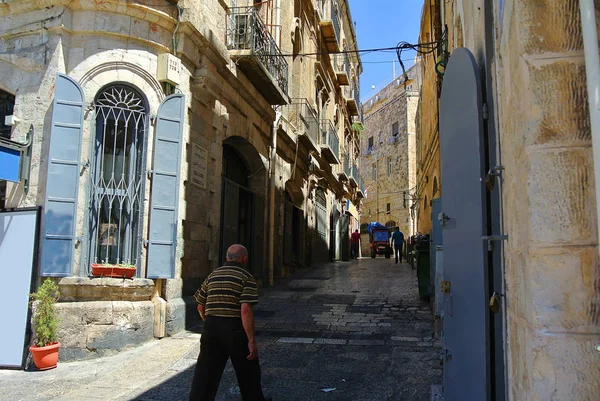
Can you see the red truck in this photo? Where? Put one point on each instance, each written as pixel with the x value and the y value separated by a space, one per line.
pixel 379 240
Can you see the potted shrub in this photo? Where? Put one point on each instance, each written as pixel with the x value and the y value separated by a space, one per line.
pixel 45 326
pixel 121 270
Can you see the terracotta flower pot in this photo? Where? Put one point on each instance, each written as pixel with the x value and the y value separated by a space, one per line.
pixel 45 357
pixel 116 271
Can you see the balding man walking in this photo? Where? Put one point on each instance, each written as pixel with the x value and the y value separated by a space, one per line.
pixel 225 302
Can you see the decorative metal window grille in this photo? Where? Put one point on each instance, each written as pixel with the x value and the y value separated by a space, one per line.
pixel 117 191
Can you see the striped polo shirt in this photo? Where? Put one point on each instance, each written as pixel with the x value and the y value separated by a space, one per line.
pixel 226 289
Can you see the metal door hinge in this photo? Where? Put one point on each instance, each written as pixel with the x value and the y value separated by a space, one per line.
pixel 490 178
pixel 491 238
pixel 484 109
pixel 443 218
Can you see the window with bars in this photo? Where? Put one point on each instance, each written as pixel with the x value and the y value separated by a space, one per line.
pixel 117 191
pixel 395 131
pixel 390 165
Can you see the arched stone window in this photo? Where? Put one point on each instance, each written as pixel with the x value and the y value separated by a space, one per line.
pixel 118 171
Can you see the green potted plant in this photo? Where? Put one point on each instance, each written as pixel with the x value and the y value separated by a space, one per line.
pixel 120 270
pixel 45 326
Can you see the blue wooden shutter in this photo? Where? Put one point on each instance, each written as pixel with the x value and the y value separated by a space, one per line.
pixel 165 188
pixel 62 183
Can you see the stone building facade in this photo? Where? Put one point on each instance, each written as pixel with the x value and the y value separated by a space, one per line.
pixel 164 132
pixel 533 72
pixel 388 155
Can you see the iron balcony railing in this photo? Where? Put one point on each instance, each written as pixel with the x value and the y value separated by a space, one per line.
pixel 330 138
pixel 342 63
pixel 356 94
pixel 247 31
pixel 355 173
pixel 347 168
pixel 300 113
pixel 335 18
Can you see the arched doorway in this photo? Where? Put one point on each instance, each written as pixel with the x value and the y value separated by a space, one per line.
pixel 243 202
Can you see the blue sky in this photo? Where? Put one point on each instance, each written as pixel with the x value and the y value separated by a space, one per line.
pixel 384 23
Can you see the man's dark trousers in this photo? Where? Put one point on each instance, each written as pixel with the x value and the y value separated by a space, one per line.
pixel 224 338
pixel 354 248
pixel 398 253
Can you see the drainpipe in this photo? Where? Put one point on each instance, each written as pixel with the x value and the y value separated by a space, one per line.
pixel 592 69
pixel 278 22
pixel 272 166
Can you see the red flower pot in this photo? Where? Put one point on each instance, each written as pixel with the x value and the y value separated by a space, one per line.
pixel 45 357
pixel 116 271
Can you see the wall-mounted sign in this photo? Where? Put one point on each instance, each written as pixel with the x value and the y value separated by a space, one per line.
pixel 198 165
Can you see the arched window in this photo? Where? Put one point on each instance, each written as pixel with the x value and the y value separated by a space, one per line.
pixel 391 224
pixel 118 171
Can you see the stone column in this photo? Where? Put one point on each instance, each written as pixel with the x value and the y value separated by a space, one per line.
pixel 552 274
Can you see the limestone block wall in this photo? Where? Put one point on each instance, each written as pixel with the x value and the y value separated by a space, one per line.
pixel 396 103
pixel 552 271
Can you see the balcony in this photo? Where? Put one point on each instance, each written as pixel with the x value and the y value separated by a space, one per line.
pixel 304 118
pixel 354 176
pixel 330 25
pixel 329 142
pixel 254 50
pixel 360 192
pixel 341 66
pixel 351 93
pixel 343 176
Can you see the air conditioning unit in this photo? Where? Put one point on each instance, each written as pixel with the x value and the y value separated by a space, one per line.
pixel 241 32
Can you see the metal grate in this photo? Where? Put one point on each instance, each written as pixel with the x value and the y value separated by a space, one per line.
pixel 117 192
pixel 247 31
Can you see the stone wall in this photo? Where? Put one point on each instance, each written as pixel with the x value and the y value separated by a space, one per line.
pixel 552 271
pixel 393 157
pixel 550 262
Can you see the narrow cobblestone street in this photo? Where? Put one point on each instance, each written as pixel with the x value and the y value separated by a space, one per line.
pixel 342 331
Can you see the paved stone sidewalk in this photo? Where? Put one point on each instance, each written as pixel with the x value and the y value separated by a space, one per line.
pixel 357 327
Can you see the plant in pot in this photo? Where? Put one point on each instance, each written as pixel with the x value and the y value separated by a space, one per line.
pixel 119 270
pixel 45 326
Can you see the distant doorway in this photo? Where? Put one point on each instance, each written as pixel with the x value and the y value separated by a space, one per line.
pixel 242 207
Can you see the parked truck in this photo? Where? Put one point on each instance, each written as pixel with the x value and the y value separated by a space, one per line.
pixel 379 240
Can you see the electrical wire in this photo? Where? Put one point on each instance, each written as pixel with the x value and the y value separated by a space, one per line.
pixel 423 49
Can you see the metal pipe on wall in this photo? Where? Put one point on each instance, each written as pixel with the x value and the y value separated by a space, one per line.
pixel 272 173
pixel 592 69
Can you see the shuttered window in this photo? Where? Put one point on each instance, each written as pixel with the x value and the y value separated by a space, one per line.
pixel 321 213
pixel 62 181
pixel 164 195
